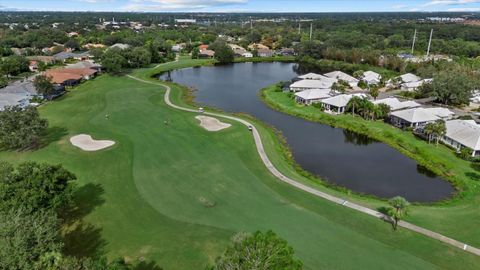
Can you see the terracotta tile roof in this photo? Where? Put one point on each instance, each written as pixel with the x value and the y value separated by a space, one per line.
pixel 65 74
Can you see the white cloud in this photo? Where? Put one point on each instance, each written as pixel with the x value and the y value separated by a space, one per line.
pixel 449 2
pixel 465 9
pixel 172 5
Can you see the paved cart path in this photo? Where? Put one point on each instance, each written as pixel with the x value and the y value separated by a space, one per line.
pixel 292 182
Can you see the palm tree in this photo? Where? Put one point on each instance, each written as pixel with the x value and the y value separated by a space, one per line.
pixel 354 104
pixel 398 210
pixel 429 130
pixel 440 130
pixel 435 130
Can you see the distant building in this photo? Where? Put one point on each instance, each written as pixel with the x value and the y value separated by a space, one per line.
pixel 339 75
pixel 120 46
pixel 265 52
pixel 286 52
pixel 206 54
pixel 187 21
pixel 371 78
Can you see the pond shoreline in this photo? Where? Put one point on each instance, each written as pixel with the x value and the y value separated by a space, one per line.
pixel 191 98
pixel 323 118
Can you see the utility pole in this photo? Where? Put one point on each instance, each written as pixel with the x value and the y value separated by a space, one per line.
pixel 311 30
pixel 414 39
pixel 299 28
pixel 429 42
pixel 251 24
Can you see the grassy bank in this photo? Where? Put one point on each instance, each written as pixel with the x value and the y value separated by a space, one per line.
pixel 455 217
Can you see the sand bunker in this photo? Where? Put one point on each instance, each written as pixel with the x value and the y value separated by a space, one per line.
pixel 87 143
pixel 211 124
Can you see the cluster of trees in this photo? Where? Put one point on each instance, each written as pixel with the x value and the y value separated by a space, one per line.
pixel 13 65
pixel 258 251
pixel 452 85
pixel 115 60
pixel 21 128
pixel 32 196
pixel 366 109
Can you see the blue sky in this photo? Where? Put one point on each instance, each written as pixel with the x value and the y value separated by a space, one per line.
pixel 242 5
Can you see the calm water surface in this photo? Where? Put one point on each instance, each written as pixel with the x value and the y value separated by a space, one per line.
pixel 344 158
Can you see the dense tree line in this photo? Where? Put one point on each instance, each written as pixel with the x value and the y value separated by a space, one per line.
pixel 21 128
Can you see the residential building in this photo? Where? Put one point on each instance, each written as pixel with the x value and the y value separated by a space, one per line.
pixel 70 76
pixel 338 104
pixel 247 55
pixel 257 46
pixel 286 52
pixel 419 117
pixel 63 56
pixel 396 104
pixel 463 134
pixel 206 54
pixel 265 52
pixel 409 77
pixel 339 75
pixel 33 65
pixel 371 78
pixel 120 46
pixel 203 47
pixel 311 96
pixel 309 84
pixel 413 86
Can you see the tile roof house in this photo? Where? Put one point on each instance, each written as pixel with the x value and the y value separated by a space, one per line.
pixel 203 47
pixel 206 54
pixel 70 76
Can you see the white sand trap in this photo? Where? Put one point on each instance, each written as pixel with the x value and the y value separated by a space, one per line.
pixel 87 143
pixel 211 124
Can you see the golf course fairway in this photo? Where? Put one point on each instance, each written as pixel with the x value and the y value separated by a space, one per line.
pixel 173 194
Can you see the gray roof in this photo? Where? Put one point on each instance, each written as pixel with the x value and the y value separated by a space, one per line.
pixel 465 132
pixel 67 55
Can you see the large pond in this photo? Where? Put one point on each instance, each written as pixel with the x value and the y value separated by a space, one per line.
pixel 344 158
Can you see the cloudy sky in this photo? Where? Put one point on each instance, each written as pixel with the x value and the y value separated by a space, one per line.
pixel 242 5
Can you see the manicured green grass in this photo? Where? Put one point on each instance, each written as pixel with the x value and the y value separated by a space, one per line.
pixel 176 193
pixel 457 218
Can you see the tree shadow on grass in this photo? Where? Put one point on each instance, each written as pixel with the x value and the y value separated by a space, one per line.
pixel 83 239
pixel 473 176
pixel 85 199
pixel 52 134
pixel 384 210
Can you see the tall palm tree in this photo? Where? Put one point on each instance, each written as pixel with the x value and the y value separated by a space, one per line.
pixel 398 210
